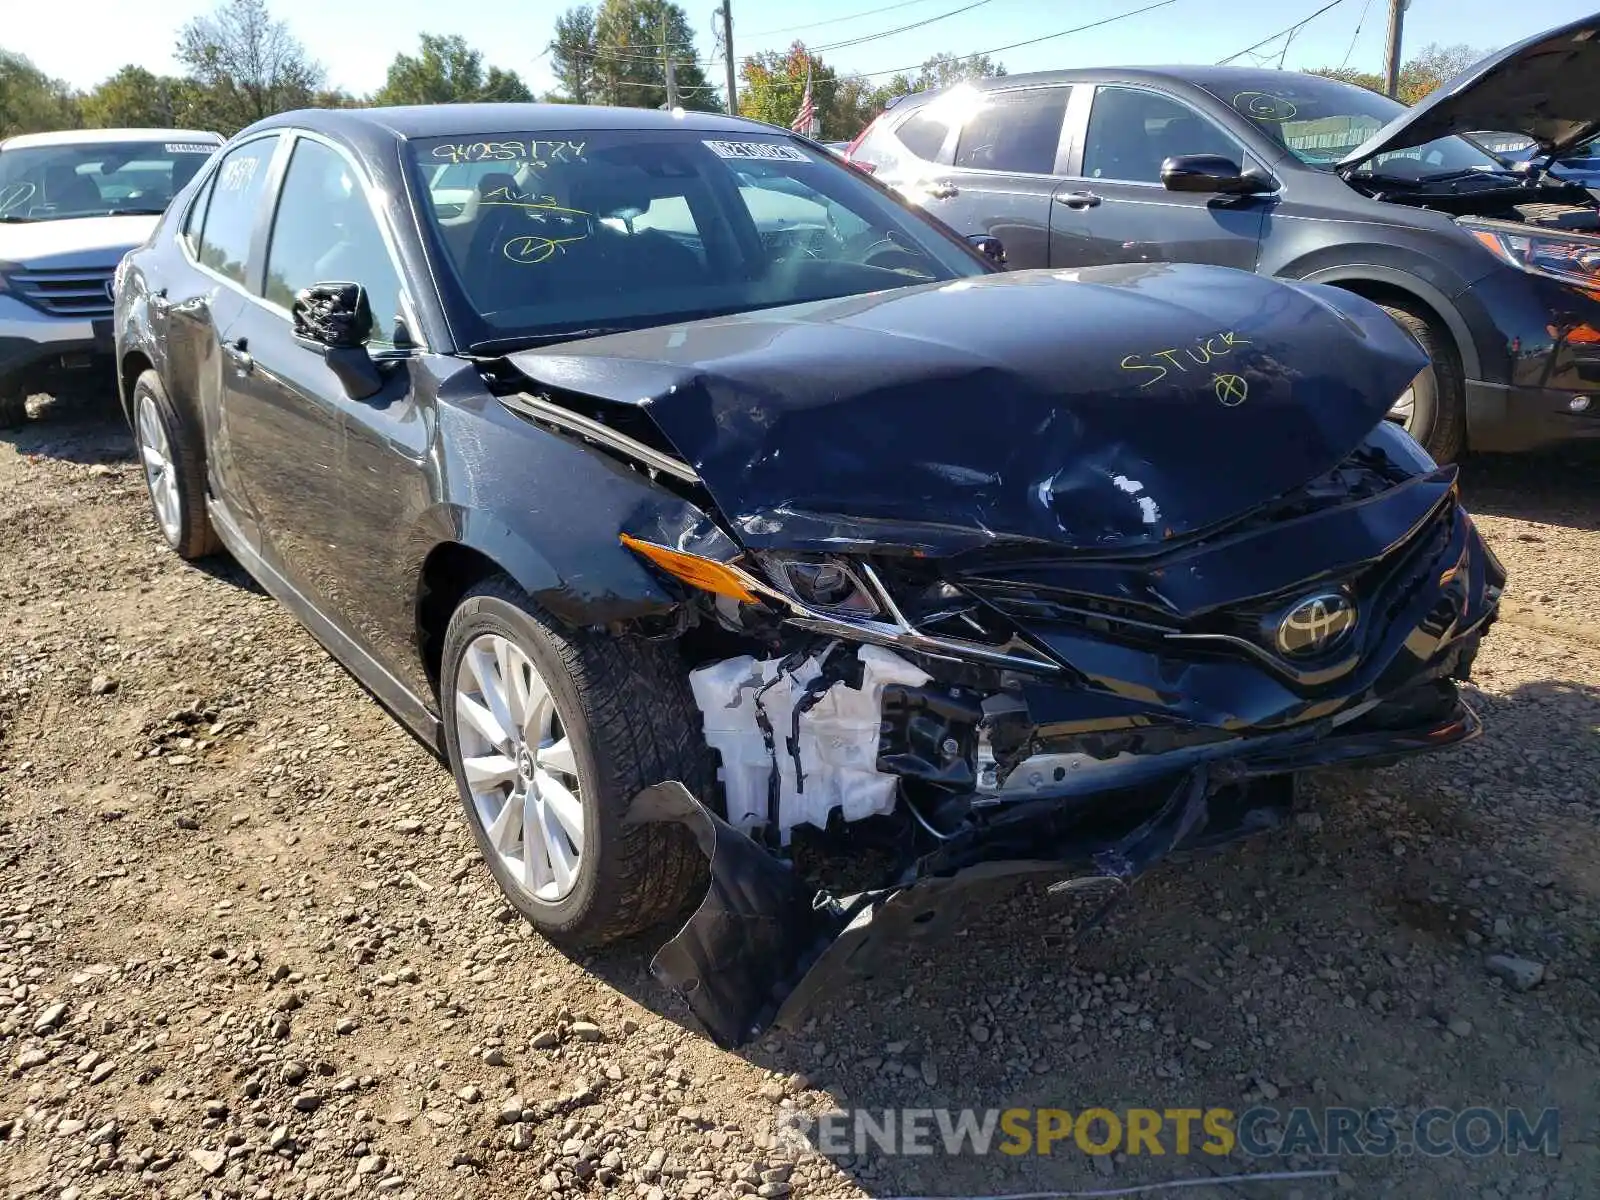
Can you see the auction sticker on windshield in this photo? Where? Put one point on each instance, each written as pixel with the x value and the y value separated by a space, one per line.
pixel 755 150
pixel 188 148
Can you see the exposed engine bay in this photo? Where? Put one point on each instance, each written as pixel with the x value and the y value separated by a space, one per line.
pixel 1548 203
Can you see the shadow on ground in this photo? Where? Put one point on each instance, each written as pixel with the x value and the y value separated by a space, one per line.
pixel 73 431
pixel 1559 486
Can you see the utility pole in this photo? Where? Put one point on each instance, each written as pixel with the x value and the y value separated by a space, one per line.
pixel 726 12
pixel 1391 68
pixel 672 77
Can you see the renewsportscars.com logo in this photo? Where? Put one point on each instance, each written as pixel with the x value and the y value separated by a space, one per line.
pixel 1258 1132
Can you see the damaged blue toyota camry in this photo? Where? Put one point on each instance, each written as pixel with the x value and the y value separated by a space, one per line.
pixel 758 552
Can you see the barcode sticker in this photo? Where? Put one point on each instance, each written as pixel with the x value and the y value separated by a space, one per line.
pixel 756 150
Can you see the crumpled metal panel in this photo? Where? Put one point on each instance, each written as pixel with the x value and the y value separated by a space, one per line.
pixel 1107 408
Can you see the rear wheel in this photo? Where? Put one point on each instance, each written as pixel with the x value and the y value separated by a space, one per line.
pixel 551 732
pixel 1433 408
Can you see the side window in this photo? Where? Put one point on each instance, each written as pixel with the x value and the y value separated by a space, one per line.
pixel 923 132
pixel 1131 131
pixel 195 221
pixel 235 199
pixel 1015 131
pixel 324 232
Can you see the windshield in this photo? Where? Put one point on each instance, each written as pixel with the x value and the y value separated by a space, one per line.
pixel 1321 121
pixel 556 233
pixel 83 179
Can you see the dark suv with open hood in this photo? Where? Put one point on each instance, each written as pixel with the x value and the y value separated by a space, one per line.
pixel 697 498
pixel 1493 267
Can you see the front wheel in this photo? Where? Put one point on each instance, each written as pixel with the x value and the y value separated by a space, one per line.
pixel 13 410
pixel 1433 408
pixel 173 458
pixel 551 732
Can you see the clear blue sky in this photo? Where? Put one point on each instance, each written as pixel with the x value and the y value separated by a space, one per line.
pixel 83 41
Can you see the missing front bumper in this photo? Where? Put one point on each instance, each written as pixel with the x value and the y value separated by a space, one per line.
pixel 763 945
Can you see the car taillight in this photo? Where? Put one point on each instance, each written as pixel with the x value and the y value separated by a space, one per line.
pixel 855 144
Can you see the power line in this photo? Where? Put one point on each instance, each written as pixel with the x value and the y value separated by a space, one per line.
pixel 1035 41
pixel 626 54
pixel 871 12
pixel 1359 22
pixel 1291 31
pixel 872 37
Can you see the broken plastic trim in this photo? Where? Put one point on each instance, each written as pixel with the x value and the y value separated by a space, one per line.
pixel 897 631
pixel 566 419
pixel 761 946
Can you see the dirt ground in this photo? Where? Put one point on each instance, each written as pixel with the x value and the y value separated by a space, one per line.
pixel 250 952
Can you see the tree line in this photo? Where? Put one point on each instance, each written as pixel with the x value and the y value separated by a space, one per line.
pixel 241 63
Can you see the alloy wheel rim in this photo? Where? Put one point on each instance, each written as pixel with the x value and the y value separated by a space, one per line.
pixel 1404 410
pixel 156 454
pixel 520 768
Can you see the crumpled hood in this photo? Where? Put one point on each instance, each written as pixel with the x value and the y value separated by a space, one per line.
pixel 87 242
pixel 1546 87
pixel 1092 410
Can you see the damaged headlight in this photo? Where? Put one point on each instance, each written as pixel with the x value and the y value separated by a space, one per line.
pixel 821 582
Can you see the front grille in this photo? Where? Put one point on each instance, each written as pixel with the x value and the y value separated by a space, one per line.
pixel 63 293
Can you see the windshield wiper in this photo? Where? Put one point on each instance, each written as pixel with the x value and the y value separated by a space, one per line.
pixel 1469 173
pixel 505 345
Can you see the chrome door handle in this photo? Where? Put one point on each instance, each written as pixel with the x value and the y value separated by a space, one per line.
pixel 1078 199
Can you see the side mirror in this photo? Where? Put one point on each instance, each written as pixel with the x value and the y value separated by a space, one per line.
pixel 1210 173
pixel 988 246
pixel 335 320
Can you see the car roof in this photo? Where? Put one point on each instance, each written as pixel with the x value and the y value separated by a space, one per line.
pixel 79 137
pixel 1201 76
pixel 475 120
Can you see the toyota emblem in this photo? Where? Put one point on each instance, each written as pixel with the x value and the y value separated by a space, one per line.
pixel 1316 624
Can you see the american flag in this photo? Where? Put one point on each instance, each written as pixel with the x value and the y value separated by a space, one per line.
pixel 808 111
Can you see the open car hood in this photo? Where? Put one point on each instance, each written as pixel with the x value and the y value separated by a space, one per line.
pixel 1547 88
pixel 1106 409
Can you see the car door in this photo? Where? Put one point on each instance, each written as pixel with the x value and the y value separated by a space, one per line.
pixel 1008 151
pixel 280 402
pixel 1113 207
pixel 912 153
pixel 339 479
pixel 196 305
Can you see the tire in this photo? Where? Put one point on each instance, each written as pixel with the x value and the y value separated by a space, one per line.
pixel 625 715
pixel 13 410
pixel 177 485
pixel 1438 416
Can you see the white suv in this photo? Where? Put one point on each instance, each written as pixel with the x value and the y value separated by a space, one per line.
pixel 71 205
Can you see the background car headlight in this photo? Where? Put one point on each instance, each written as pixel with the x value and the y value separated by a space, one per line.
pixel 819 581
pixel 1568 258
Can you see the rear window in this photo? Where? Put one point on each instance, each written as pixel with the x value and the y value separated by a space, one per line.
pixel 923 132
pixel 1014 131
pixel 550 233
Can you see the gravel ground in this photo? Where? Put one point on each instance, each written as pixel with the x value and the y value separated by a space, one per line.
pixel 250 952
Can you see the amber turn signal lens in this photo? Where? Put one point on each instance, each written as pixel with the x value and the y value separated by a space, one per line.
pixel 698 572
